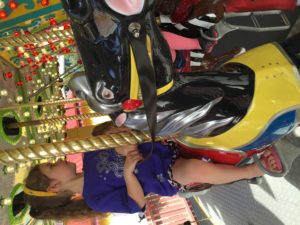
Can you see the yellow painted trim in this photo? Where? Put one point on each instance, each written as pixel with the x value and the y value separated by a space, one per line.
pixel 134 79
pixel 165 88
pixel 276 90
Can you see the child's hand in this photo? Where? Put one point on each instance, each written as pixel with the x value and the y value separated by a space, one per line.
pixel 125 149
pixel 132 158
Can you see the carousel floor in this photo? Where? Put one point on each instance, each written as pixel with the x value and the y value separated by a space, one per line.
pixel 275 201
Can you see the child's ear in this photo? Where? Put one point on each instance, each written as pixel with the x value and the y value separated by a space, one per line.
pixel 54 186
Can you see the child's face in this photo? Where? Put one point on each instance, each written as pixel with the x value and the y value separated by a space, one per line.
pixel 62 171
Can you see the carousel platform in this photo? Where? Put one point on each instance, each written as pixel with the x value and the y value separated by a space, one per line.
pixel 276 201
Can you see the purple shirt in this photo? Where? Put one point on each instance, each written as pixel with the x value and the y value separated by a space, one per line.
pixel 104 185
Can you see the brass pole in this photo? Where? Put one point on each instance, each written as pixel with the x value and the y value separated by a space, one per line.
pixel 43 151
pixel 50 103
pixel 52 120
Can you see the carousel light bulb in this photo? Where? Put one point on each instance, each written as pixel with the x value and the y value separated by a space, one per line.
pixel 21 49
pixel 19 98
pixel 39 81
pixel 2 4
pixel 8 169
pixel 53 151
pixel 42 85
pixel 43 153
pixel 3 92
pixel 5 201
pixel 44 51
pixel 35 106
pixel 20 156
pixel 32 141
pixel 54 140
pixel 61 44
pixel 26 55
pixel 21 165
pixel 26 114
pixel 31 155
pixel 46 136
pixel 8 48
pixel 43 70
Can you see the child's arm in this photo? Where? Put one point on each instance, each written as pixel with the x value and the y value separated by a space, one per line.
pixel 133 186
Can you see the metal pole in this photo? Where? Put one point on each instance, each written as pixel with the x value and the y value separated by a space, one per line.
pixel 52 103
pixel 43 151
pixel 52 120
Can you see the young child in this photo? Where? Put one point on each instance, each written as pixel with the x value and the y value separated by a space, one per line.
pixel 117 180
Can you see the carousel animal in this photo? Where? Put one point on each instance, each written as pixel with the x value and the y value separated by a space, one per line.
pixel 249 103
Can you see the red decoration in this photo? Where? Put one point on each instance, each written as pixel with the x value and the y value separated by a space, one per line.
pixel 17 33
pixel 67 26
pixel 20 54
pixel 12 5
pixel 44 60
pixel 50 58
pixel 29 60
pixel 44 2
pixel 35 66
pixel 79 61
pixel 3 14
pixel 131 104
pixel 29 45
pixel 35 53
pixel 33 72
pixel 70 41
pixel 28 78
pixel 26 32
pixel 8 75
pixel 53 48
pixel 52 21
pixel 65 50
pixel 19 83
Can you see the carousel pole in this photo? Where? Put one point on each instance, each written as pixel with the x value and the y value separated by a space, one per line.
pixel 52 120
pixel 44 151
pixel 50 103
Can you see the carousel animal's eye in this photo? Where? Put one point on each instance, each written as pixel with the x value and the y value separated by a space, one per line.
pixel 126 7
pixel 107 94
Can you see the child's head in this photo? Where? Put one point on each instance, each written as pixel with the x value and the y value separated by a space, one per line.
pixel 46 194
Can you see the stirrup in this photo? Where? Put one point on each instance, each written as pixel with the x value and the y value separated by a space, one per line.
pixel 223 27
pixel 287 151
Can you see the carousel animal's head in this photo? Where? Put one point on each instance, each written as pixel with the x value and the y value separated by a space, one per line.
pixel 119 43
